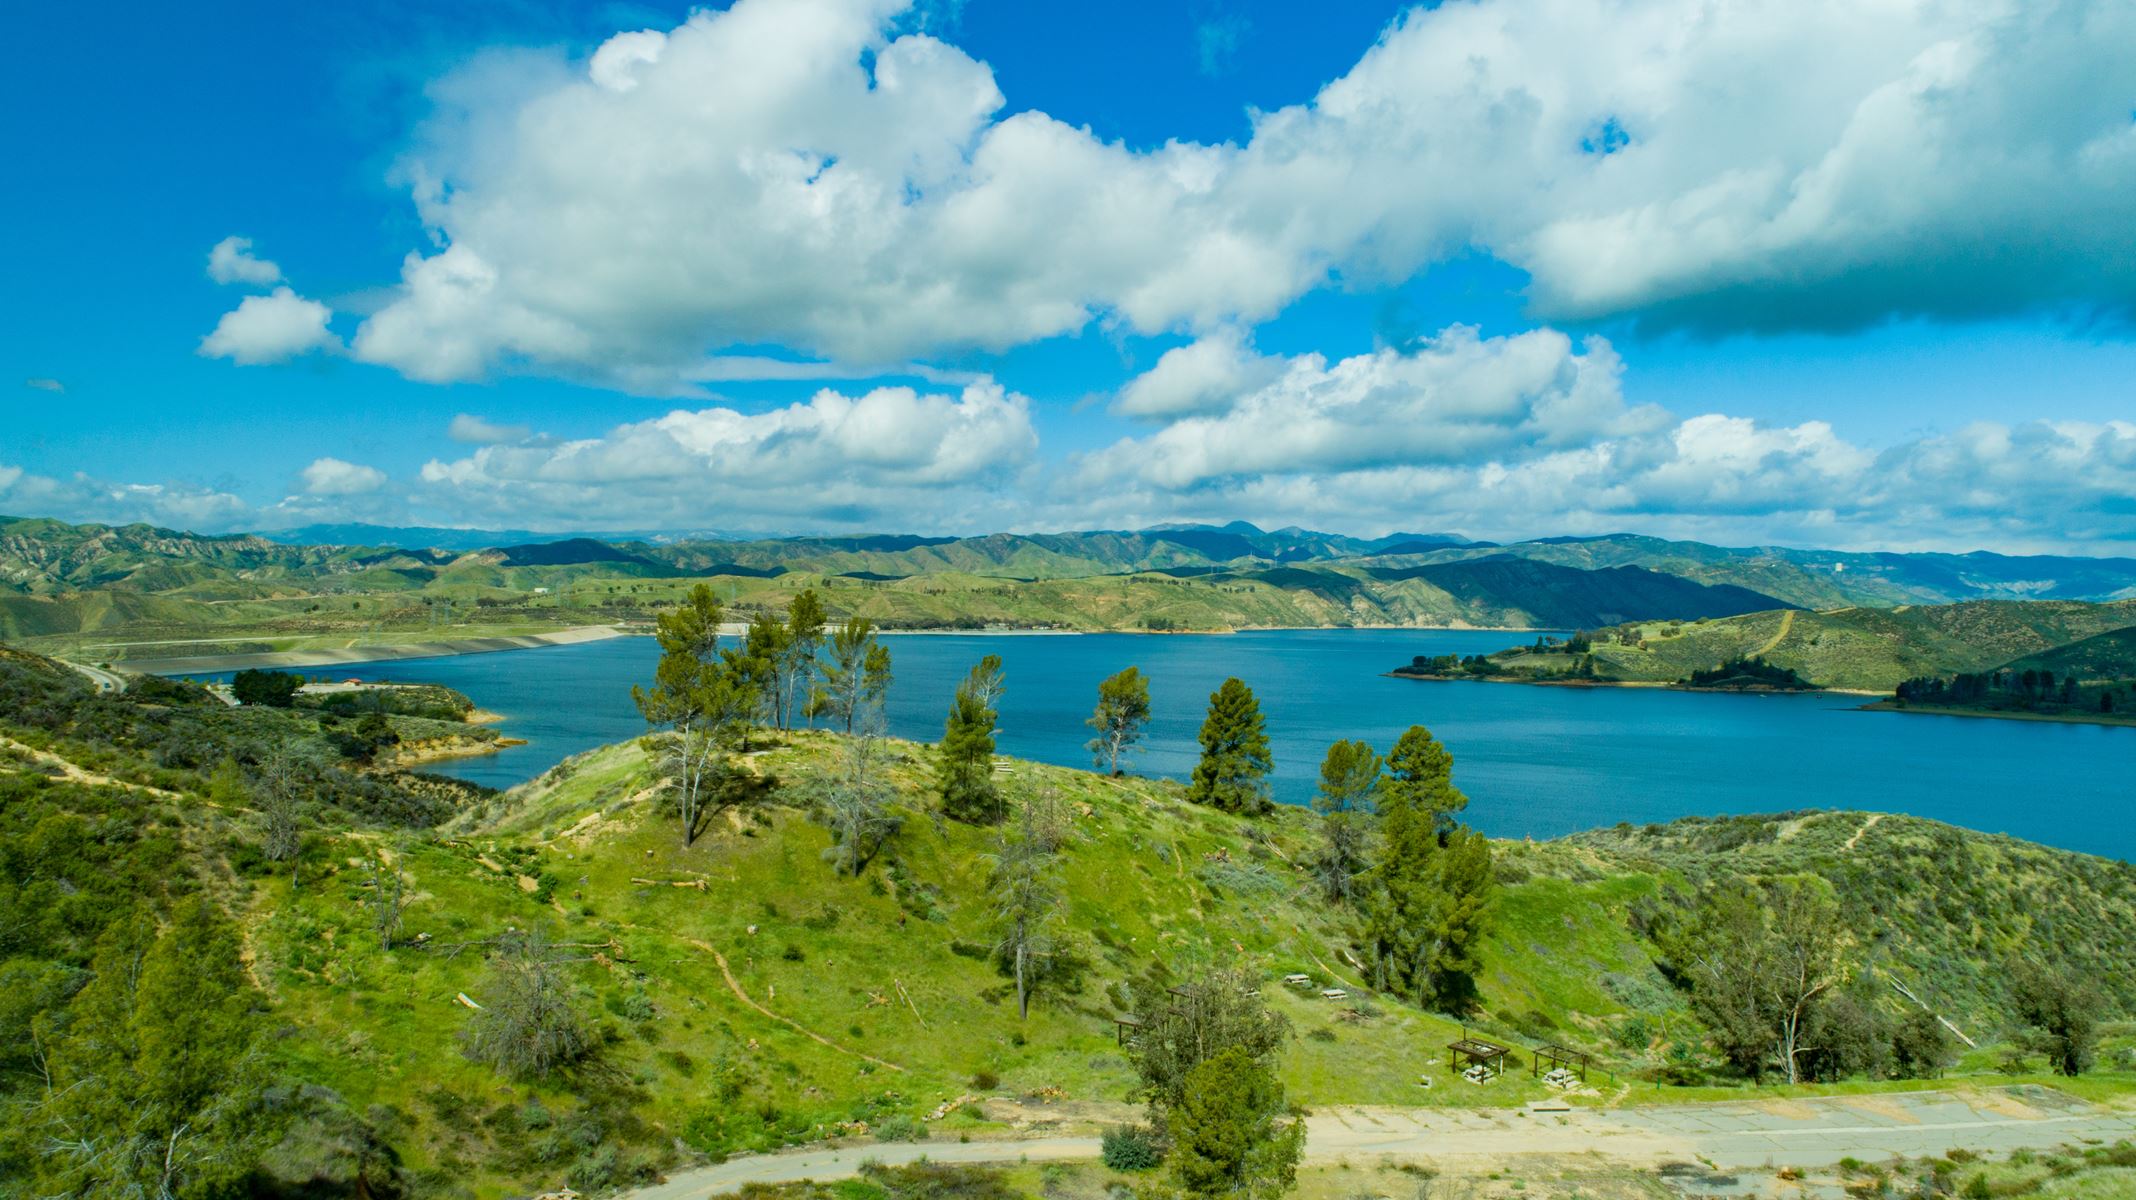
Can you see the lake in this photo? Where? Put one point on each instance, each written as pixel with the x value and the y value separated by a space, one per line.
pixel 1537 761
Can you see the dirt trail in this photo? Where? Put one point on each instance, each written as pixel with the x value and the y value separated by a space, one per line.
pixel 77 774
pixel 1787 622
pixel 1866 827
pixel 1724 1135
pixel 735 985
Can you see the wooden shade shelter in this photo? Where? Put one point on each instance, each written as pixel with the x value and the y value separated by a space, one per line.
pixel 1478 1052
pixel 1560 1056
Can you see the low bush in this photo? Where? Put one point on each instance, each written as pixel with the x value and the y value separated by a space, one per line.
pixel 900 1127
pixel 1131 1148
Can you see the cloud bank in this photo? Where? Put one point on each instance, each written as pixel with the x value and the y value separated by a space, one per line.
pixel 1504 437
pixel 803 174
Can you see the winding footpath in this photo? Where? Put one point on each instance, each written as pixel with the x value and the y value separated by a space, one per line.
pixel 1737 1135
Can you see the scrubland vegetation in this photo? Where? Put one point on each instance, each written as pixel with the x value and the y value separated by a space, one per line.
pixel 658 953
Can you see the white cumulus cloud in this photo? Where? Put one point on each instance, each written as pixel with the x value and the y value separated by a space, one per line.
pixel 336 477
pixel 1519 436
pixel 479 431
pixel 81 497
pixel 272 328
pixel 797 173
pixel 891 458
pixel 1204 375
pixel 615 65
pixel 232 261
pixel 1458 397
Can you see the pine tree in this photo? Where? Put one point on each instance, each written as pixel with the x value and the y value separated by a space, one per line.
pixel 795 665
pixel 703 696
pixel 1235 757
pixel 1420 778
pixel 1431 881
pixel 964 762
pixel 858 674
pixel 764 644
pixel 1227 1133
pixel 1123 710
pixel 153 1088
pixel 1027 902
pixel 1349 778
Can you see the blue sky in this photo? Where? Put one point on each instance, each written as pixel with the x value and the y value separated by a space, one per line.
pixel 1508 269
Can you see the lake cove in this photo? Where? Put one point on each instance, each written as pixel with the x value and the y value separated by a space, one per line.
pixel 1535 761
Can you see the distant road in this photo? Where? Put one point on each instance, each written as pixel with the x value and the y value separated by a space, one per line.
pixel 1735 1135
pixel 105 680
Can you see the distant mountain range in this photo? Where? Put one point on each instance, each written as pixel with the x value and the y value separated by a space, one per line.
pixel 42 555
pixel 140 582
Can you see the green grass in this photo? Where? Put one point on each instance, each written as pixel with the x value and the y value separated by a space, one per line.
pixel 856 1001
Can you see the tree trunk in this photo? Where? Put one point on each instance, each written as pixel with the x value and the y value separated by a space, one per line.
pixel 1790 1041
pixel 1023 997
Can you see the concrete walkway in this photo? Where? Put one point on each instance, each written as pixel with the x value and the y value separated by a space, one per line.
pixel 1736 1135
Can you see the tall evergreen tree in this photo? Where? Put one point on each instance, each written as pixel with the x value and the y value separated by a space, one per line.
pixel 1349 778
pixel 764 646
pixel 1027 902
pixel 703 696
pixel 1235 760
pixel 796 664
pixel 858 674
pixel 153 1087
pixel 964 762
pixel 1123 710
pixel 1431 881
pixel 1420 779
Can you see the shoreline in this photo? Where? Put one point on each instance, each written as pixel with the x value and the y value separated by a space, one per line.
pixel 2123 720
pixel 1651 684
pixel 207 664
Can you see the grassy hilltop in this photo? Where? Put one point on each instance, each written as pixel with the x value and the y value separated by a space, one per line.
pixel 744 996
pixel 1865 649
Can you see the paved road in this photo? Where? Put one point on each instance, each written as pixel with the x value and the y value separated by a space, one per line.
pixel 105 680
pixel 1735 1135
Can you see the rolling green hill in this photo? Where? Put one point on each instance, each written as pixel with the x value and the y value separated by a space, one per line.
pixel 1863 649
pixel 743 995
pixel 1323 578
pixel 2104 657
pixel 109 595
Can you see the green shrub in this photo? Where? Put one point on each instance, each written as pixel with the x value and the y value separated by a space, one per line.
pixel 900 1127
pixel 1131 1148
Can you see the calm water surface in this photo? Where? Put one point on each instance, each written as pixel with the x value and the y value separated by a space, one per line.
pixel 1535 760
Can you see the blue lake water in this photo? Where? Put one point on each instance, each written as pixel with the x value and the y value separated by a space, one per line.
pixel 1535 761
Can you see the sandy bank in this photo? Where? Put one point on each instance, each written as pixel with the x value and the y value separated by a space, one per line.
pixel 382 652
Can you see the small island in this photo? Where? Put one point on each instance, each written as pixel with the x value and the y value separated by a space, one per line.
pixel 2090 680
pixel 1571 662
